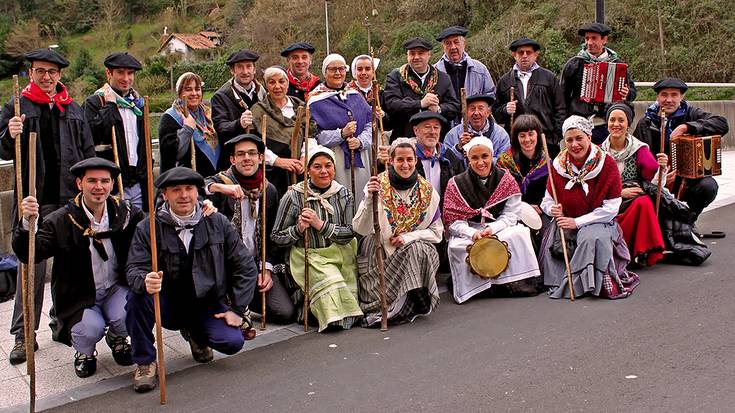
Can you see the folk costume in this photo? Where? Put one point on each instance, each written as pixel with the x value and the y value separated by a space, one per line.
pixel 332 250
pixel 490 130
pixel 367 92
pixel 408 207
pixel 300 88
pixel 474 203
pixel 530 174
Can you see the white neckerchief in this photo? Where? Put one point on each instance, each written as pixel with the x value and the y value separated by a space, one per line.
pixel 104 272
pixel 525 76
pixel 247 225
pixel 243 90
pixel 186 234
pixel 421 77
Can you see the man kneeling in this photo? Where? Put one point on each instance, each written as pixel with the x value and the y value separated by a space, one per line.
pixel 205 281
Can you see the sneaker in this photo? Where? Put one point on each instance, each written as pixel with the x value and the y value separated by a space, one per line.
pixel 201 354
pixel 84 365
pixel 18 353
pixel 121 350
pixel 144 377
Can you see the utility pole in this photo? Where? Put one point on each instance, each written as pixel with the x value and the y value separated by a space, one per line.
pixel 600 11
pixel 326 22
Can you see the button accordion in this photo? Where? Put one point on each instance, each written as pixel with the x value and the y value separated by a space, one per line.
pixel 602 82
pixel 696 156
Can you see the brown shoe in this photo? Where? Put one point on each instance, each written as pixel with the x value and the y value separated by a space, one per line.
pixel 201 354
pixel 144 378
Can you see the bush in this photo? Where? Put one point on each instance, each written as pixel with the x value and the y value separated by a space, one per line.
pixel 213 74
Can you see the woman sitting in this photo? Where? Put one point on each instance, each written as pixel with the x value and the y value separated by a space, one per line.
pixel 408 214
pixel 327 216
pixel 588 187
pixel 636 164
pixel 481 202
pixel 281 158
pixel 343 120
pixel 177 130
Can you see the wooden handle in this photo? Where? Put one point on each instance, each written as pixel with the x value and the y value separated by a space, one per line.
pixel 465 121
pixel 307 118
pixel 116 157
pixel 661 170
pixel 31 279
pixel 295 139
pixel 264 203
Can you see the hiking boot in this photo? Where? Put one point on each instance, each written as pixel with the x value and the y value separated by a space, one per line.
pixel 201 354
pixel 144 377
pixel 121 350
pixel 84 365
pixel 18 353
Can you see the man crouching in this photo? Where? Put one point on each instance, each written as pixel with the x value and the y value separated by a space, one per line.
pixel 209 280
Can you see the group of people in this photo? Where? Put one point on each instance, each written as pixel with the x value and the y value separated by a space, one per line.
pixel 526 161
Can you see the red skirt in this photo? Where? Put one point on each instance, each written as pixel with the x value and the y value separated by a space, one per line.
pixel 641 230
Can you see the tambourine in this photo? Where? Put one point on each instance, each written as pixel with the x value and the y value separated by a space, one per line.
pixel 488 257
pixel 530 217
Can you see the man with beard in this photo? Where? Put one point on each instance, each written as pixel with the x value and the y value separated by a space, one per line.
pixel 479 122
pixel 417 86
pixel 232 102
pixel 117 105
pixel 300 80
pixel 63 140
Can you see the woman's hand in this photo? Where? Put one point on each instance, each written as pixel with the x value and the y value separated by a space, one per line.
pixel 309 218
pixel 353 143
pixel 397 241
pixel 633 192
pixel 556 211
pixel 566 223
pixel 663 160
pixel 349 129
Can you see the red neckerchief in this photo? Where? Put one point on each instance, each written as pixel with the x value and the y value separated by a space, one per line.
pixel 34 93
pixel 303 85
pixel 249 182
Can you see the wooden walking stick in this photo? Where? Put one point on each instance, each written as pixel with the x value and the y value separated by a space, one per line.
pixel 549 165
pixel 306 231
pixel 376 225
pixel 352 164
pixel 263 227
pixel 154 251
pixel 661 169
pixel 192 144
pixel 465 121
pixel 31 268
pixel 116 157
pixel 512 99
pixel 295 138
pixel 376 97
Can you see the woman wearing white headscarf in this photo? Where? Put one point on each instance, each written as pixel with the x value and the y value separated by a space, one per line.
pixel 344 122
pixel 485 201
pixel 588 187
pixel 363 72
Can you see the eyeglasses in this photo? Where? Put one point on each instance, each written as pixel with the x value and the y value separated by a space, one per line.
pixel 341 69
pixel 525 52
pixel 42 72
pixel 248 154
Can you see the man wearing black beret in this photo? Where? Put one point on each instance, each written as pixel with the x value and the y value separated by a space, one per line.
pixel 231 103
pixel 63 140
pixel 536 92
pixel 464 71
pixel 595 37
pixel 205 278
pixel 118 105
pixel 682 118
pixel 298 61
pixel 89 240
pixel 417 86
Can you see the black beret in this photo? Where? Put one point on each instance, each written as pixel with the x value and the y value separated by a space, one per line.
pixel 122 60
pixel 179 176
pixel 79 168
pixel 417 43
pixel 524 41
pixel 241 56
pixel 452 31
pixel 426 115
pixel 627 109
pixel 47 55
pixel 670 82
pixel 483 97
pixel 230 145
pixel 600 28
pixel 297 46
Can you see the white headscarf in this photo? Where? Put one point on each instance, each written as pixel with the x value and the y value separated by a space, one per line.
pixel 479 140
pixel 334 57
pixel 577 122
pixel 353 66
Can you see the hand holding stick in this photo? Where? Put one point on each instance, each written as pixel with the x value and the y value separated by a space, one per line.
pixel 263 228
pixel 549 165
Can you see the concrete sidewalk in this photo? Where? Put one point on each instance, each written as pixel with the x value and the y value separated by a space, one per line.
pixel 57 384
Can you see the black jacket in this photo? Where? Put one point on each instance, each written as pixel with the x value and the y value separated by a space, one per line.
pixel 401 102
pixel 544 100
pixel 168 143
pixel 72 280
pixel 227 109
pixel 72 144
pixel 220 268
pixel 571 85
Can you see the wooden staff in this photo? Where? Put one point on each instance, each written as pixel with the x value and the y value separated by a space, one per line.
pixel 116 157
pixel 512 99
pixel 295 139
pixel 306 231
pixel 263 227
pixel 154 251
pixel 661 169
pixel 549 165
pixel 192 144
pixel 465 121
pixel 376 97
pixel 31 269
pixel 18 150
pixel 352 164
pixel 376 226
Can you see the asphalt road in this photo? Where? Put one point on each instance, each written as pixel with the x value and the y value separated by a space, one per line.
pixel 668 347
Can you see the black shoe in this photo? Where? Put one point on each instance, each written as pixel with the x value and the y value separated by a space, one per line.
pixel 18 353
pixel 84 366
pixel 201 354
pixel 121 350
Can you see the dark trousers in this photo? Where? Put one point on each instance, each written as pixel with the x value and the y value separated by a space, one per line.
pixel 176 313
pixel 699 193
pixel 279 306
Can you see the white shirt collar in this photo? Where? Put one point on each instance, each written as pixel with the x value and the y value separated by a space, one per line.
pixel 103 224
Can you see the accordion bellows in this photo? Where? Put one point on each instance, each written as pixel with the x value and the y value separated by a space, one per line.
pixel 696 156
pixel 602 82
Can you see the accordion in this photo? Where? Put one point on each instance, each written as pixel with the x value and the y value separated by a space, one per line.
pixel 696 156
pixel 602 82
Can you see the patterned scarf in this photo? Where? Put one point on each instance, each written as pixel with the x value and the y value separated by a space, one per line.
pixel 34 93
pixel 461 200
pixel 591 167
pixel 205 137
pixel 132 101
pixel 251 186
pixel 588 58
pixel 538 169
pixel 626 157
pixel 369 96
pixel 433 79
pixel 303 85
pixel 405 216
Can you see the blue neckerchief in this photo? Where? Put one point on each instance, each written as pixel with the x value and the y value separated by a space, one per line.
pixel 672 121
pixel 198 136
